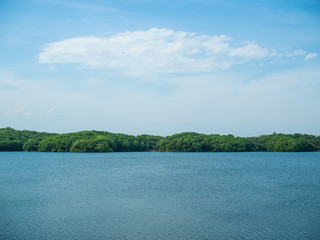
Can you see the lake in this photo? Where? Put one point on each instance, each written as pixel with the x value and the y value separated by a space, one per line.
pixel 159 195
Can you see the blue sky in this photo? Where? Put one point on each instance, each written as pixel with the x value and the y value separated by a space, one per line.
pixel 160 67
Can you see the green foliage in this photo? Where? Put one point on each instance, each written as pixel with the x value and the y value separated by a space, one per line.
pixel 14 140
pixel 147 142
pixel 12 145
pixel 286 143
pixel 31 145
pixel 99 144
pixel 100 141
pixel 195 142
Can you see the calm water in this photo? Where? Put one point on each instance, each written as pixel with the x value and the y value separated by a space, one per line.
pixel 160 196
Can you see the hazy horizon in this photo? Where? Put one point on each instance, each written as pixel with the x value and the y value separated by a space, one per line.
pixel 160 67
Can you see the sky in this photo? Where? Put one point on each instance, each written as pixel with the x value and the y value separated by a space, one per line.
pixel 161 67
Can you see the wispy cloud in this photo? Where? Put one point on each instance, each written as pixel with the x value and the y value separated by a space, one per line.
pixel 297 52
pixel 53 112
pixel 310 55
pixel 300 52
pixel 23 110
pixel 154 51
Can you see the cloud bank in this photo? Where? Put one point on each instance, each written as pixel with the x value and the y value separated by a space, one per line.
pixel 154 51
pixel 282 101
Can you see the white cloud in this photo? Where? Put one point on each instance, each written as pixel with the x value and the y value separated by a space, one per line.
pixel 310 55
pixel 153 51
pixel 298 52
pixel 250 51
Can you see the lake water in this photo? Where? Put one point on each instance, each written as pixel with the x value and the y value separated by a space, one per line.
pixel 159 196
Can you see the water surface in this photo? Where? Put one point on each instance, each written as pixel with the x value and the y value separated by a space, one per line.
pixel 159 196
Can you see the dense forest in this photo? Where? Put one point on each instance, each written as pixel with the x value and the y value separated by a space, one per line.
pixel 101 141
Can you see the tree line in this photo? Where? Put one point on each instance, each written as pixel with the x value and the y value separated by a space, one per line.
pixel 102 141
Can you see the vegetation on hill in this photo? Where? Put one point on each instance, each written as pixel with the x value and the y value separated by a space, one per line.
pixel 101 141
pixel 195 142
pixel 97 141
pixel 15 140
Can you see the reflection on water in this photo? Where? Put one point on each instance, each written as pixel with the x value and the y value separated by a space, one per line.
pixel 160 196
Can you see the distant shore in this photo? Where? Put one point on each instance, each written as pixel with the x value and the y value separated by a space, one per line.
pixel 102 141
